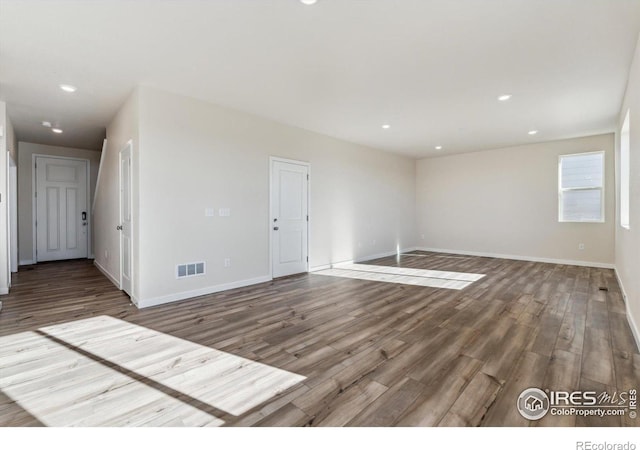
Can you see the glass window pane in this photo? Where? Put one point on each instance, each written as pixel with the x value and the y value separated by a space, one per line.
pixel 582 171
pixel 578 206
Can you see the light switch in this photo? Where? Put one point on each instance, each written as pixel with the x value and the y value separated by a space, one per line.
pixel 224 212
pixel 209 212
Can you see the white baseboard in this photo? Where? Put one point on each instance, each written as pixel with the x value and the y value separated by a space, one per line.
pixel 370 257
pixel 155 301
pixel 4 291
pixel 107 274
pixel 26 262
pixel 566 262
pixel 318 268
pixel 632 323
pixel 384 255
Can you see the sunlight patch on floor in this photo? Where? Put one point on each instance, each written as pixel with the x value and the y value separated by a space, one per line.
pixel 65 382
pixel 402 275
pixel 61 387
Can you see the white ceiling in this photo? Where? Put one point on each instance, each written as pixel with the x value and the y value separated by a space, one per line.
pixel 430 68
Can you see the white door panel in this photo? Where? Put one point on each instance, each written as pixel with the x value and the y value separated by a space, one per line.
pixel 61 209
pixel 291 246
pixel 13 213
pixel 289 217
pixel 126 275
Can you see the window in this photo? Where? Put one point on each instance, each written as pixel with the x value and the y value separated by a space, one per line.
pixel 581 186
pixel 625 143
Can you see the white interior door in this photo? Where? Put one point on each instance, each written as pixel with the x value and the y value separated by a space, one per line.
pixel 13 214
pixel 126 274
pixel 289 217
pixel 61 209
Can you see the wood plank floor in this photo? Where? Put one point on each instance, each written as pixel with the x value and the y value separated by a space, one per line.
pixel 332 351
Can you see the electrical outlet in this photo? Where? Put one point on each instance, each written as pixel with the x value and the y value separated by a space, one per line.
pixel 106 254
pixel 227 262
pixel 580 246
pixel 422 237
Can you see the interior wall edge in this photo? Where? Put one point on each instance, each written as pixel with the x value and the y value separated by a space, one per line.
pixel 632 322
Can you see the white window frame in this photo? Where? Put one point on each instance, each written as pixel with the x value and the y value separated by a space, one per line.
pixel 625 172
pixel 562 190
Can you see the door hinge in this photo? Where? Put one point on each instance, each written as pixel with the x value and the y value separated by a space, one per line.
pixel 307 259
pixel 307 217
pixel 307 177
pixel 36 194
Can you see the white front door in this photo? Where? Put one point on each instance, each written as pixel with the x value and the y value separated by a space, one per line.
pixel 61 209
pixel 125 221
pixel 289 223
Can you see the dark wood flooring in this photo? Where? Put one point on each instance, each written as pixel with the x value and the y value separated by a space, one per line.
pixel 379 354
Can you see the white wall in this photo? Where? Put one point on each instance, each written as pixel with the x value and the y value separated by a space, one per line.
pixel 195 155
pixel 26 150
pixel 627 242
pixel 122 129
pixel 505 202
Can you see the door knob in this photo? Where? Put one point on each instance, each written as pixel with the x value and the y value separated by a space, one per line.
pixel 276 228
pixel 119 228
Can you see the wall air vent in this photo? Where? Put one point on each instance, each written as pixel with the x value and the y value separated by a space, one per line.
pixel 190 270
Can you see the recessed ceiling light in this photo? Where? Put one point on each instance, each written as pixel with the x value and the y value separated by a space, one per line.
pixel 438 147
pixel 68 88
pixel 532 132
pixel 386 126
pixel 504 97
pixel 46 124
pixel 308 2
pixel 56 130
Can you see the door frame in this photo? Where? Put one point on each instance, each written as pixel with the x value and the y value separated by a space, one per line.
pixel 34 203
pixel 273 159
pixel 127 146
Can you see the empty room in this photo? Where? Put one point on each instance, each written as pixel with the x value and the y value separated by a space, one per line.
pixel 331 213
